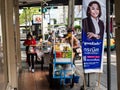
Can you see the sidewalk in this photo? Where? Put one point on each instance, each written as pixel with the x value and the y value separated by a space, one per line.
pixel 103 80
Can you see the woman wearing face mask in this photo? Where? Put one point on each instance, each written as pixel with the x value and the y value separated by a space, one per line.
pixel 92 25
pixel 30 44
pixel 73 41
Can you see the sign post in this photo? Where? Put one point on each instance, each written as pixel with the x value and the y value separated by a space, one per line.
pixel 108 45
pixel 93 31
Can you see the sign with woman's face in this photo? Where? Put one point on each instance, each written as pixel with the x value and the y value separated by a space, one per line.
pixel 102 5
pixel 93 29
pixel 94 10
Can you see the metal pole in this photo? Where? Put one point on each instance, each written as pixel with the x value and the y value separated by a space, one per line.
pixel 72 21
pixel 64 14
pixel 30 19
pixel 42 22
pixel 25 19
pixel 108 44
pixel 88 80
pixel 71 13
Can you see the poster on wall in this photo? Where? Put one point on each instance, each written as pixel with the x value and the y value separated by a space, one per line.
pixel 93 31
pixel 37 19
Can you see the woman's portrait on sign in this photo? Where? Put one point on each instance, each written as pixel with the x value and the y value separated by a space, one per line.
pixel 92 25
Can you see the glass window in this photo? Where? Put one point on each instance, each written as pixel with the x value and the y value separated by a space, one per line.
pixel 3 70
pixel 2 74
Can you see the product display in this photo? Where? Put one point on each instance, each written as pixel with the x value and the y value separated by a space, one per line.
pixel 63 63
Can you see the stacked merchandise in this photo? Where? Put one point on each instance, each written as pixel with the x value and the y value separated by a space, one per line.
pixel 63 59
pixel 63 50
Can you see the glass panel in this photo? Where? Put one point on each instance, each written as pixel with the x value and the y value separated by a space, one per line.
pixel 2 61
pixel 2 76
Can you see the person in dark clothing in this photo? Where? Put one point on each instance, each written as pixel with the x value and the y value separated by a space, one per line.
pixel 50 37
pixel 92 25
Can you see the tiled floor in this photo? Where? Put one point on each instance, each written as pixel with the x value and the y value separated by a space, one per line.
pixel 39 80
pixel 34 81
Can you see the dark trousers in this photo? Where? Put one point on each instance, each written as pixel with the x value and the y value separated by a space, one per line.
pixel 30 58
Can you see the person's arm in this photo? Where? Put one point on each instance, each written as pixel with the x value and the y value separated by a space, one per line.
pixel 25 43
pixel 75 42
pixel 92 35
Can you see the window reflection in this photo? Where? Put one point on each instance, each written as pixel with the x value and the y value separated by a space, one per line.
pixel 2 76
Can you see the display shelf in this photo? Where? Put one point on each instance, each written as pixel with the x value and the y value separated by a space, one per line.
pixel 62 62
pixel 63 74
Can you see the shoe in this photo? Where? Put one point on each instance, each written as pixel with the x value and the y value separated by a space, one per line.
pixel 29 68
pixel 33 70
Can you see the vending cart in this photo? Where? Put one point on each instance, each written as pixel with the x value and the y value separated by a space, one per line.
pixel 62 66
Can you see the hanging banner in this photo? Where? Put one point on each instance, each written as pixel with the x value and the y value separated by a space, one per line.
pixel 93 30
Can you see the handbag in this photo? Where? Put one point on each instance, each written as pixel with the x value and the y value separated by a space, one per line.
pixel 31 49
pixel 78 50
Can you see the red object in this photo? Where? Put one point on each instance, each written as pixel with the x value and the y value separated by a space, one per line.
pixel 30 42
pixel 33 42
pixel 58 54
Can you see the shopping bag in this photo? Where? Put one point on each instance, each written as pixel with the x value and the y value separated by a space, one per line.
pixel 78 50
pixel 31 49
pixel 39 54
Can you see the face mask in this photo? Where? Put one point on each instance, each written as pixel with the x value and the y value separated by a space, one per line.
pixel 70 35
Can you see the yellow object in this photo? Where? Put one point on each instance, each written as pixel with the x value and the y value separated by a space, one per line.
pixel 57 47
pixel 69 35
pixel 112 43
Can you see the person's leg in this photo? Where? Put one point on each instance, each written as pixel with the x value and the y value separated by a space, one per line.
pixel 32 61
pixel 73 57
pixel 28 58
pixel 29 61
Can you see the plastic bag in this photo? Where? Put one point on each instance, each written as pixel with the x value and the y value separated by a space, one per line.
pixel 39 54
pixel 31 50
pixel 78 50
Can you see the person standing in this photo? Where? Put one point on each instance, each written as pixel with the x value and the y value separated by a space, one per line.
pixel 30 44
pixel 92 25
pixel 73 41
pixel 50 37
